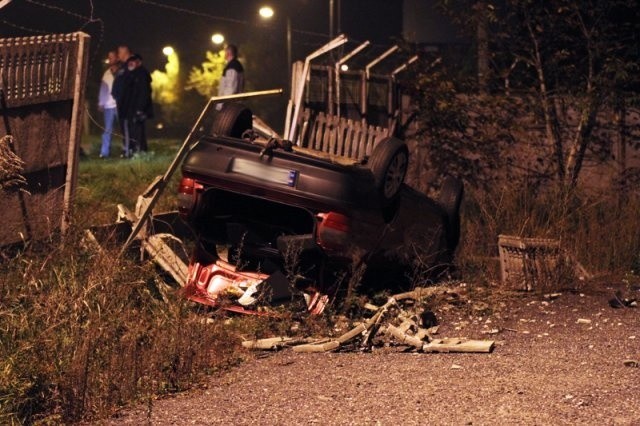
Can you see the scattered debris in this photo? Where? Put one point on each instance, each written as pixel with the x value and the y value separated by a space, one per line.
pixel 631 362
pixel 390 324
pixel 583 321
pixel 552 296
pixel 534 263
pixel 620 301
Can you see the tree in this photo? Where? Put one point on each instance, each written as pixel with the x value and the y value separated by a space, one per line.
pixel 167 90
pixel 578 53
pixel 205 79
pixel 457 134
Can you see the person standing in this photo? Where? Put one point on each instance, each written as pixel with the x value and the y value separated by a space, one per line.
pixel 232 80
pixel 120 83
pixel 137 107
pixel 107 104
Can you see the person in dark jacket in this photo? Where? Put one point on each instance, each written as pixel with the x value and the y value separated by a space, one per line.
pixel 232 80
pixel 135 105
pixel 117 91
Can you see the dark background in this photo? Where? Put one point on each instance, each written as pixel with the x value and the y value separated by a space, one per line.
pixel 148 26
pixel 187 25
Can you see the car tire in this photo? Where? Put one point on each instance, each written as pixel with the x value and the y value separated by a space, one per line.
pixel 389 162
pixel 450 199
pixel 232 120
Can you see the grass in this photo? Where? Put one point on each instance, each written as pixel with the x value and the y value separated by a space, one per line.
pixel 601 230
pixel 105 183
pixel 83 332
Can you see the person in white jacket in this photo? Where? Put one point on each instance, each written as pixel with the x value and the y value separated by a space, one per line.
pixel 107 104
pixel 232 80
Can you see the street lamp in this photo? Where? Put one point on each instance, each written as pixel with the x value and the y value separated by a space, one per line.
pixel 168 51
pixel 267 12
pixel 217 38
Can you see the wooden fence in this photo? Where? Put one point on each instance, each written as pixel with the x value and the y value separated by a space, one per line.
pixel 43 80
pixel 339 136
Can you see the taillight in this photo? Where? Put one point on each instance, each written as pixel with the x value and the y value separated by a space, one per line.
pixel 333 231
pixel 187 193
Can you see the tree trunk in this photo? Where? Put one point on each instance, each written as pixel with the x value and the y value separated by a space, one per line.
pixel 482 38
pixel 548 108
pixel 581 141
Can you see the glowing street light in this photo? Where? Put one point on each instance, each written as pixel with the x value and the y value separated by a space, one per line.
pixel 344 67
pixel 266 12
pixel 168 51
pixel 217 38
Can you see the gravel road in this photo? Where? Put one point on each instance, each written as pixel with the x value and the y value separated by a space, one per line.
pixel 547 368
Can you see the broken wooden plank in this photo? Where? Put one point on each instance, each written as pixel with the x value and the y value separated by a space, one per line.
pixel 275 343
pixel 324 347
pixel 459 345
pixel 166 258
pixel 404 338
pixel 90 242
pixel 423 333
pixel 125 215
pixel 419 293
pixel 371 307
pixel 355 331
pixel 271 343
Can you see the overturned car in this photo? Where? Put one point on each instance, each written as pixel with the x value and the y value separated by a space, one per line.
pixel 303 210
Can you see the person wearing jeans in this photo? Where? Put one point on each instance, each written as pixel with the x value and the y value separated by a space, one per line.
pixel 107 104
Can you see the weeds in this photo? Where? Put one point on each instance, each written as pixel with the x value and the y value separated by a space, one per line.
pixel 82 334
pixel 603 234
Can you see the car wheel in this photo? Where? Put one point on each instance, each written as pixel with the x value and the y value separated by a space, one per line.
pixel 388 163
pixel 450 198
pixel 232 120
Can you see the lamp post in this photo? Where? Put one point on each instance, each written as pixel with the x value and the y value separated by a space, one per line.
pixel 217 38
pixel 168 51
pixel 267 12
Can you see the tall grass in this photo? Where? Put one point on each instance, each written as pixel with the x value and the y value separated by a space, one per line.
pixel 82 333
pixel 601 230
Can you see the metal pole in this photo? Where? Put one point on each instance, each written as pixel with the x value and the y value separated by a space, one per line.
pixel 338 41
pixel 186 145
pixel 73 154
pixel 404 66
pixel 379 59
pixel 343 60
pixel 288 48
pixel 330 19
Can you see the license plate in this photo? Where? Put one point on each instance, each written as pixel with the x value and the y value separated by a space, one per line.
pixel 264 172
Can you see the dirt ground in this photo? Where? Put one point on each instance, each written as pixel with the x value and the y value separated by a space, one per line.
pixel 547 368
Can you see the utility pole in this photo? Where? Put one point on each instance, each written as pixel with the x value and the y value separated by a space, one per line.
pixel 331 20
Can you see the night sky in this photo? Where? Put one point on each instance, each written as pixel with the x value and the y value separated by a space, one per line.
pixel 187 25
pixel 147 26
